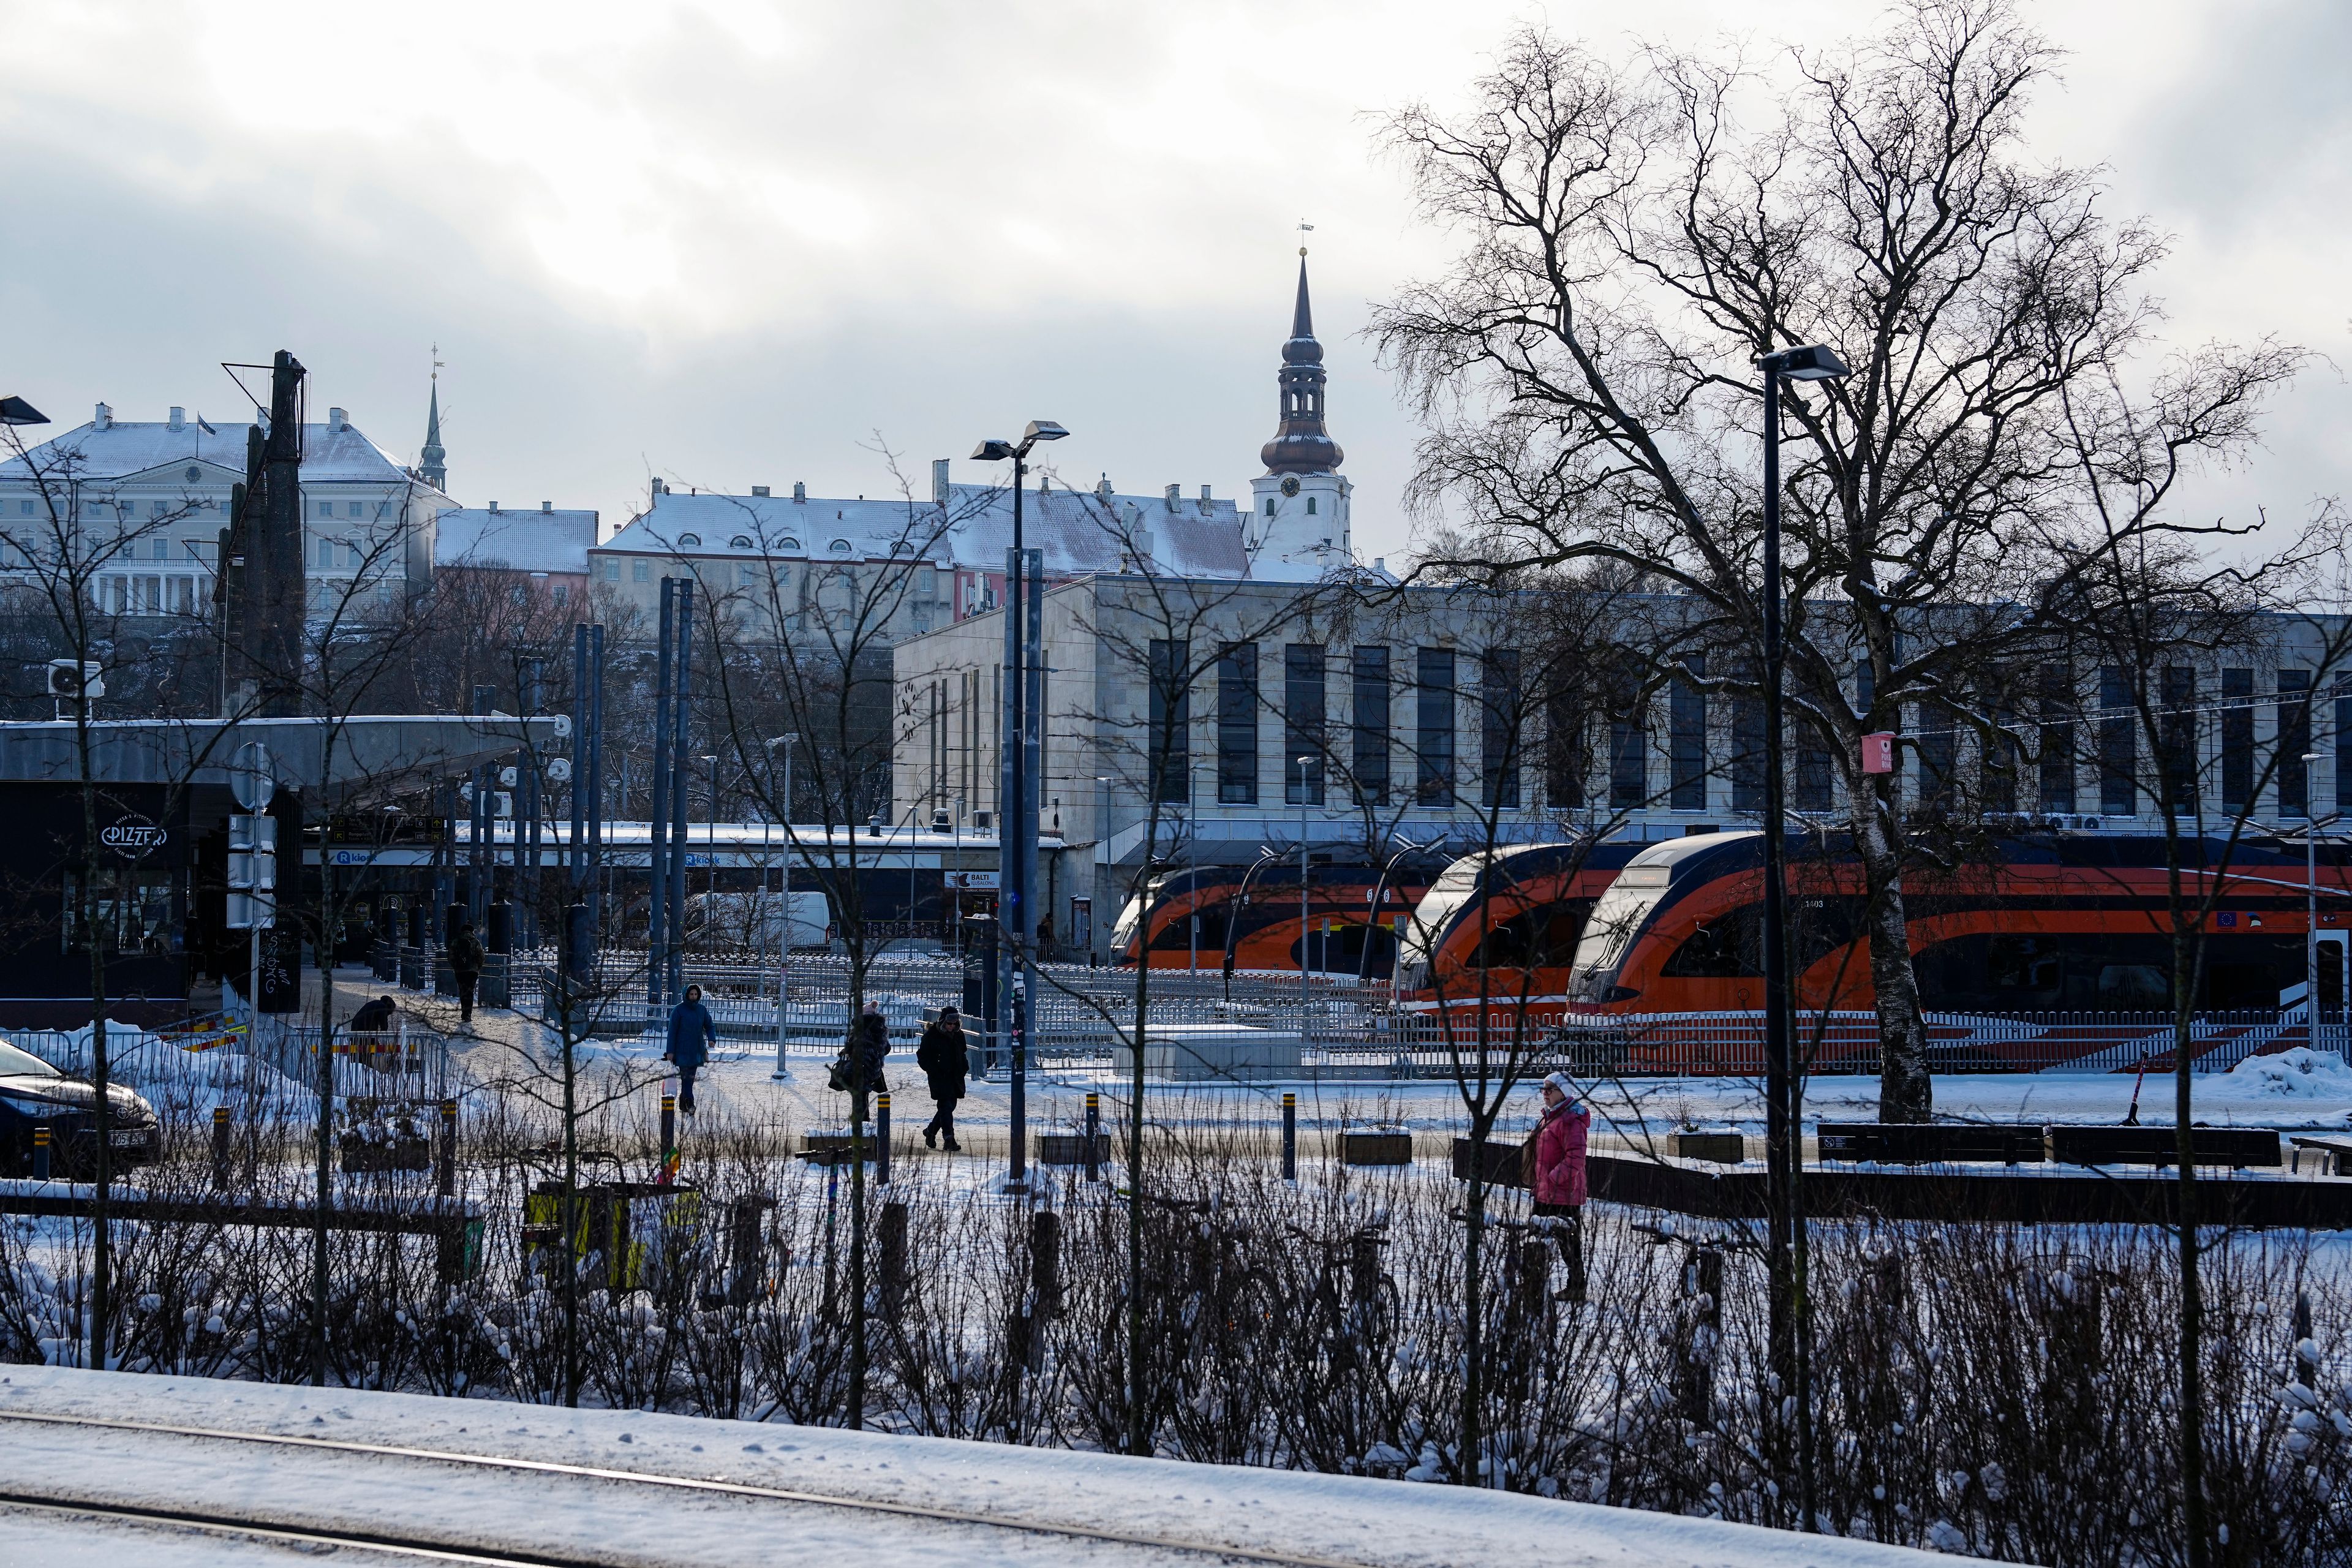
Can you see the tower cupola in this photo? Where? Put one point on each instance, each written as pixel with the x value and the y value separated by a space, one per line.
pixel 1301 444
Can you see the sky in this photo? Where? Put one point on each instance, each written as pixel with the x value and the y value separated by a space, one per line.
pixel 736 244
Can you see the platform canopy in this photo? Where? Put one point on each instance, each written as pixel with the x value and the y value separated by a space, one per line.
pixel 348 758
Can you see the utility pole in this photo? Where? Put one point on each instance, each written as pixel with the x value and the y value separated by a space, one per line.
pixel 657 825
pixel 1024 678
pixel 680 756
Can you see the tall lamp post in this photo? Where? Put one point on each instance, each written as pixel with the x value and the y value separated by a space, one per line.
pixel 784 927
pixel 1017 838
pixel 1783 1123
pixel 2311 901
pixel 1305 991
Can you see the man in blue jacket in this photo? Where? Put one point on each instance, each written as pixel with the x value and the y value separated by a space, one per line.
pixel 691 1035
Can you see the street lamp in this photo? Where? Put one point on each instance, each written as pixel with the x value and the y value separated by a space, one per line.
pixel 1017 849
pixel 1783 1124
pixel 784 927
pixel 2311 896
pixel 17 411
pixel 1305 996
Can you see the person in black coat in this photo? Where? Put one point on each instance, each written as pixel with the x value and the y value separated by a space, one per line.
pixel 465 969
pixel 859 1069
pixel 945 1064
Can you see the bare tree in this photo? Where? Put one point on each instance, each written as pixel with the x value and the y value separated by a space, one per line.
pixel 68 550
pixel 807 653
pixel 2142 599
pixel 1633 238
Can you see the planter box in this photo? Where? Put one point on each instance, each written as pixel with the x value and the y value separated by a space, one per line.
pixel 1501 1159
pixel 1070 1148
pixel 1376 1147
pixel 1721 1148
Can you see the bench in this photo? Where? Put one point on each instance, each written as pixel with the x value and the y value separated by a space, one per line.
pixel 1381 1149
pixel 2335 1154
pixel 2236 1147
pixel 1931 1142
pixel 1501 1162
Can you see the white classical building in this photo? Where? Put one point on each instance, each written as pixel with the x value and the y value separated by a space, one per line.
pixel 800 553
pixel 162 490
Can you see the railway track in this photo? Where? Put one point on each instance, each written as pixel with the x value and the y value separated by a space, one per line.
pixel 288 1526
pixel 232 1529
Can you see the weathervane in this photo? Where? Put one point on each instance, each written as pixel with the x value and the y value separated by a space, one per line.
pixel 1304 229
pixel 436 361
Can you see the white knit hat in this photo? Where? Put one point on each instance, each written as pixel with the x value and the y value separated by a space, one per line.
pixel 1560 1081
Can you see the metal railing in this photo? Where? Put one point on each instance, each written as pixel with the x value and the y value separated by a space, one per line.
pixel 1353 1028
pixel 208 1059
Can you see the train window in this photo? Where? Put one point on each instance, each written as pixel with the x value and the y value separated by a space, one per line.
pixel 2134 985
pixel 1731 946
pixel 2007 969
pixel 1542 938
pixel 2022 963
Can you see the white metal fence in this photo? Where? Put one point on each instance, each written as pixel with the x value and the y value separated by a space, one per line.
pixel 1354 1028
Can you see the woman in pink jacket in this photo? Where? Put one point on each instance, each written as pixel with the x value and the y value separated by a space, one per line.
pixel 1560 1141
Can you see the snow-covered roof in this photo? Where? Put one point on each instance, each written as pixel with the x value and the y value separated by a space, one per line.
pixel 1079 531
pixel 539 539
pixel 332 453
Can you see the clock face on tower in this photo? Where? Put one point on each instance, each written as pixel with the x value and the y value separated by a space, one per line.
pixel 1290 484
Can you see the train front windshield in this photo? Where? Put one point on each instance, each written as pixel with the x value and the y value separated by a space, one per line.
pixel 1620 916
pixel 1418 938
pixel 1131 921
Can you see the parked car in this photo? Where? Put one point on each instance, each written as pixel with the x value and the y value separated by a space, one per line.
pixel 33 1093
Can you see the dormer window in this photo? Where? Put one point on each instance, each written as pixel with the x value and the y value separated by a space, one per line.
pixel 689 542
pixel 791 543
pixel 741 542
pixel 840 547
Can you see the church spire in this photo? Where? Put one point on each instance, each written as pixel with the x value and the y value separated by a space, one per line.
pixel 1300 444
pixel 433 462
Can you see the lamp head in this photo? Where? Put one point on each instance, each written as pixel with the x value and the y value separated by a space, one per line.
pixel 17 411
pixel 992 451
pixel 1042 431
pixel 1814 362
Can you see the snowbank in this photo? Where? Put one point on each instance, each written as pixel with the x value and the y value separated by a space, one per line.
pixel 2301 1074
pixel 1392 1524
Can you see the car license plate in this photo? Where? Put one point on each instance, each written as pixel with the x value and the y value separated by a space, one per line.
pixel 131 1139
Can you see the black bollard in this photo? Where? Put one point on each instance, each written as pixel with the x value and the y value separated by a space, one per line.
pixel 41 1152
pixel 448 1168
pixel 744 1256
pixel 1094 1134
pixel 1045 1261
pixel 220 1148
pixel 669 1138
pixel 882 1138
pixel 894 1261
pixel 1289 1136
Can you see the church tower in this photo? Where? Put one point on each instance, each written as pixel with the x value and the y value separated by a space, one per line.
pixel 432 462
pixel 1298 528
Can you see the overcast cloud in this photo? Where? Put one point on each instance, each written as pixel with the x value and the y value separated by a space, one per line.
pixel 729 243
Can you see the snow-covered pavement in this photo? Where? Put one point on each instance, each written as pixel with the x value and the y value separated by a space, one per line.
pixel 1042 1506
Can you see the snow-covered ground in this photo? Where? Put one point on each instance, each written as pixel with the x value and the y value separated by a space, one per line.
pixel 1166 1510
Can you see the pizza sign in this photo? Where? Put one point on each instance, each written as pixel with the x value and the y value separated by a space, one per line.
pixel 131 838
